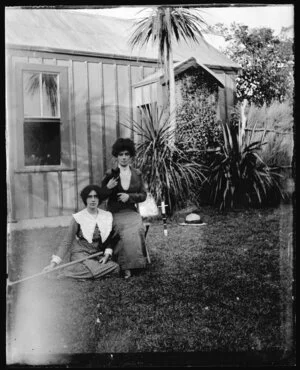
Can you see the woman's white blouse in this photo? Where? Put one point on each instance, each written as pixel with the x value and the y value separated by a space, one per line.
pixel 88 223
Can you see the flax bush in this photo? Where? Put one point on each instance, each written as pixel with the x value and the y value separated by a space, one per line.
pixel 238 175
pixel 170 175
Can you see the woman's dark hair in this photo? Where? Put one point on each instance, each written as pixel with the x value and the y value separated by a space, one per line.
pixel 86 191
pixel 121 145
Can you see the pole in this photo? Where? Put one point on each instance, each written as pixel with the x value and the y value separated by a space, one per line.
pixel 10 283
pixel 164 217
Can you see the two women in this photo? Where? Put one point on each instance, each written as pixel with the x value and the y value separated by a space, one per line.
pixel 118 232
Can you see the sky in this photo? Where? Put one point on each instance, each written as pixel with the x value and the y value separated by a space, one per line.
pixel 273 16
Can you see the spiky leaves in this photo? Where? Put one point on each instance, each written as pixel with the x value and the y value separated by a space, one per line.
pixel 169 174
pixel 238 175
pixel 163 26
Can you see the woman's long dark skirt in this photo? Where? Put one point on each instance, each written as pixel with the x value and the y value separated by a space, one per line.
pixel 130 251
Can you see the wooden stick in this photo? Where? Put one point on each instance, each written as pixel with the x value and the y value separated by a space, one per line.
pixel 10 283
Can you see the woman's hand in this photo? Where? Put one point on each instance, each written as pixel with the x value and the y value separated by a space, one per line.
pixel 104 259
pixel 50 267
pixel 112 183
pixel 123 197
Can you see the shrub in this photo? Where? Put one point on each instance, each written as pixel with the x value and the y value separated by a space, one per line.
pixel 170 175
pixel 278 117
pixel 275 116
pixel 238 175
pixel 197 126
pixel 197 130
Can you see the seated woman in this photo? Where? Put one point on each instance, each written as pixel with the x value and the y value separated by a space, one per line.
pixel 124 188
pixel 90 231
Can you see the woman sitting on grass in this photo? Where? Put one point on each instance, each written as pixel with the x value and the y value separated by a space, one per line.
pixel 89 232
pixel 124 188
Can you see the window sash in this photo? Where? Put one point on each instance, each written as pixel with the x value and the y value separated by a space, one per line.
pixel 41 94
pixel 64 119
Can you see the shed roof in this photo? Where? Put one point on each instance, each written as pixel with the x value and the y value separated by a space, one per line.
pixel 180 67
pixel 77 32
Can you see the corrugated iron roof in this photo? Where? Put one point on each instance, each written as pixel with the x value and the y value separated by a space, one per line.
pixel 75 31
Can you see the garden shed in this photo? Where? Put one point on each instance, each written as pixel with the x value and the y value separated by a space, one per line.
pixel 71 80
pixel 152 89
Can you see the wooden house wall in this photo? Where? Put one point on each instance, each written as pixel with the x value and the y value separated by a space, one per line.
pixel 101 97
pixel 226 94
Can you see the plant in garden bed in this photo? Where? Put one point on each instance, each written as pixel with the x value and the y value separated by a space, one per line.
pixel 170 175
pixel 276 123
pixel 238 175
pixel 197 127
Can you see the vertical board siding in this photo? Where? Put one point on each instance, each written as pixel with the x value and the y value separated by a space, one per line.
pixel 17 135
pixel 53 193
pixel 72 128
pixel 117 102
pixel 60 193
pixel 230 86
pixel 221 112
pixel 19 183
pixel 130 100
pixel 225 98
pixel 102 116
pixel 124 92
pixel 38 201
pixel 88 126
pixel 10 135
pixel 30 194
pixel 21 196
pixel 45 186
pixel 109 110
pixel 100 99
pixel 68 192
pixel 95 122
pixel 136 75
pixel 80 104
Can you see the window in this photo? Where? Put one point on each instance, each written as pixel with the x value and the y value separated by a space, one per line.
pixel 41 118
pixel 43 113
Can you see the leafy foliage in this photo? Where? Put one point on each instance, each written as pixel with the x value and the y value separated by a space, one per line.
pixel 266 60
pixel 170 175
pixel 238 175
pixel 163 24
pixel 197 127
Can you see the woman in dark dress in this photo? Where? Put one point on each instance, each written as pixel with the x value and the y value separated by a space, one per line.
pixel 124 188
pixel 90 231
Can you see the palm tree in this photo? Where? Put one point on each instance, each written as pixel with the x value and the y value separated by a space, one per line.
pixel 163 26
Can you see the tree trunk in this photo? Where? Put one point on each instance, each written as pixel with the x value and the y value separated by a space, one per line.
pixel 172 95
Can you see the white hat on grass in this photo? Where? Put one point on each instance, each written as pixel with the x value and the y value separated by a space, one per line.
pixel 193 219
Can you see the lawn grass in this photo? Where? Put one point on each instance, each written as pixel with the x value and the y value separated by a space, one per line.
pixel 211 288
